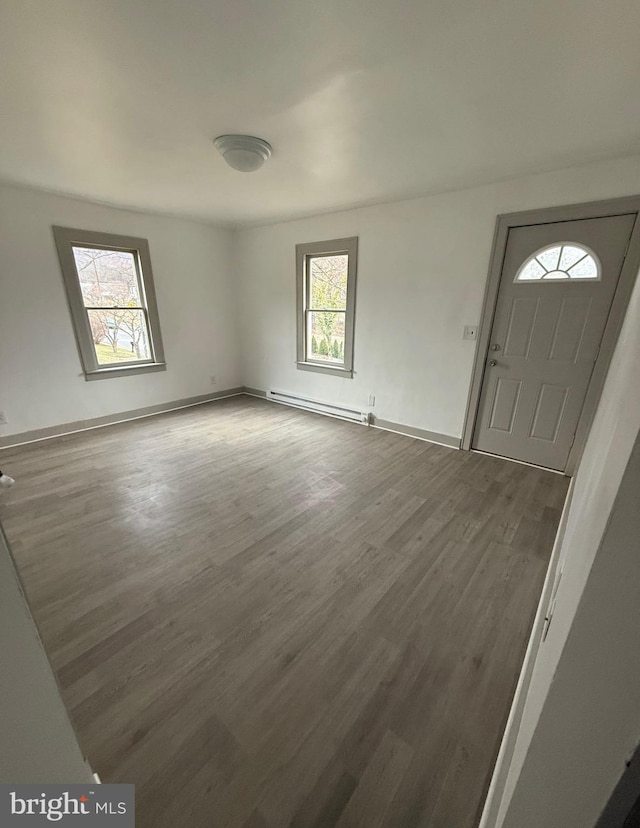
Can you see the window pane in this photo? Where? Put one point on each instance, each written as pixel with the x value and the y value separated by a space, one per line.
pixel 585 269
pixel 119 335
pixel 571 255
pixel 549 258
pixel 325 337
pixel 531 271
pixel 328 282
pixel 107 277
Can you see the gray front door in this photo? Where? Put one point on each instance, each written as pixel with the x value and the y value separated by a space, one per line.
pixel 556 289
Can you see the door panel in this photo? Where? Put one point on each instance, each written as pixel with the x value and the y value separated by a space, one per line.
pixel 546 335
pixel 569 330
pixel 522 317
pixel 505 404
pixel 548 412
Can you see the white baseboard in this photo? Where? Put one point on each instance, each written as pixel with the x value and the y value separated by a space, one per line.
pixel 12 440
pixel 386 425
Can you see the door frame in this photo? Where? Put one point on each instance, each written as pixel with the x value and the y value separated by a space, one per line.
pixel 630 267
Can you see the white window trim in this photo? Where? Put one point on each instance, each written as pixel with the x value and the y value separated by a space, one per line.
pixel 66 238
pixel 348 246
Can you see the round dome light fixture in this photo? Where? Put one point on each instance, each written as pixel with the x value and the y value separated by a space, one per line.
pixel 243 152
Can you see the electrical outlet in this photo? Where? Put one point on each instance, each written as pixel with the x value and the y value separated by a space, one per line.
pixel 372 399
pixel 470 332
pixel 213 379
pixel 3 418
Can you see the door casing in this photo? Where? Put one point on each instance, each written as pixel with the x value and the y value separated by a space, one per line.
pixel 631 264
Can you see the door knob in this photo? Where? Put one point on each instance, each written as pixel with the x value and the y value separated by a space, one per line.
pixel 495 347
pixel 492 363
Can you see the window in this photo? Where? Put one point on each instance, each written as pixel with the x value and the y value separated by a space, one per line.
pixel 110 291
pixel 560 262
pixel 326 274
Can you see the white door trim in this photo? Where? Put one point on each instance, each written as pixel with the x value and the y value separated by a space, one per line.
pixel 572 212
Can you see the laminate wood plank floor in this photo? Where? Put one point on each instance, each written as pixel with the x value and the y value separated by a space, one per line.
pixel 267 618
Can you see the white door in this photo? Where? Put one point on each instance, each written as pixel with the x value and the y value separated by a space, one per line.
pixel 556 288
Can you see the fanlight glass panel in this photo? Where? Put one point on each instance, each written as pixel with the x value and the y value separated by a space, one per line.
pixel 567 262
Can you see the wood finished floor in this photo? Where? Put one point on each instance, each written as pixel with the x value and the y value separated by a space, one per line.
pixel 267 618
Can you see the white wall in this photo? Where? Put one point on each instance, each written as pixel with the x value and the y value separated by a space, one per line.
pixel 594 753
pixel 38 742
pixel 41 380
pixel 422 270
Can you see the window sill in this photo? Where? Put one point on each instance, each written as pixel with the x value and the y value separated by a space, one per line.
pixel 325 369
pixel 125 371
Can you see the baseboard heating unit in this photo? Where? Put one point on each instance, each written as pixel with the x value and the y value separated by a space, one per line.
pixel 329 409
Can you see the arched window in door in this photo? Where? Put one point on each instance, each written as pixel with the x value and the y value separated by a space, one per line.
pixel 567 262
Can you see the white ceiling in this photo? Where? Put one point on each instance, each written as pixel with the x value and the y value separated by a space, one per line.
pixel 363 100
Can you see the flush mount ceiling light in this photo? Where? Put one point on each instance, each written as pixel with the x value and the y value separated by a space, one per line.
pixel 243 152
